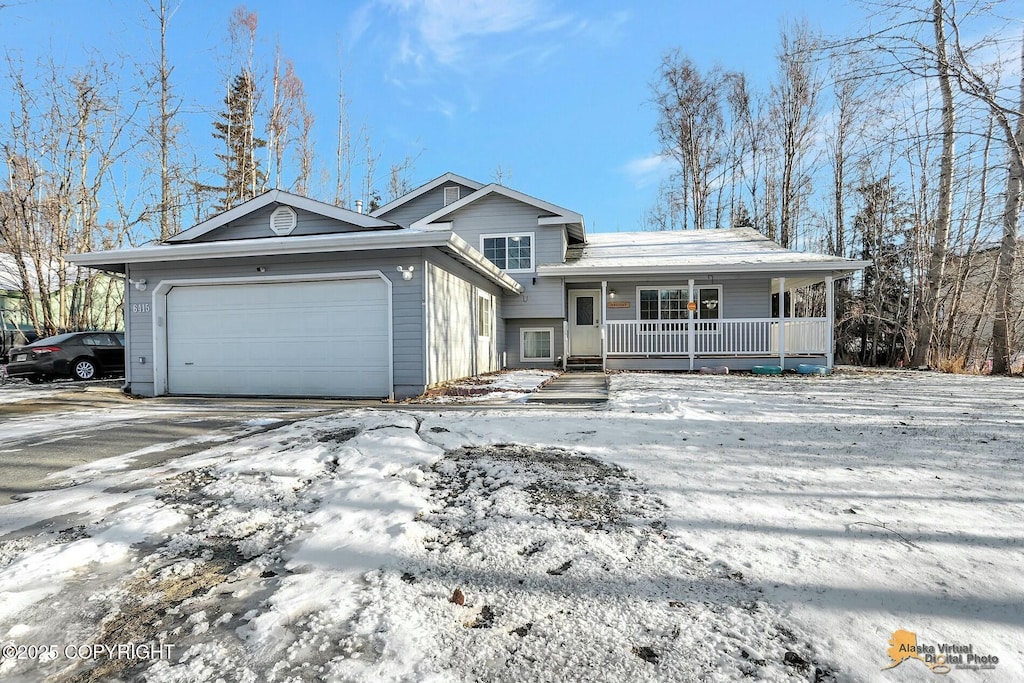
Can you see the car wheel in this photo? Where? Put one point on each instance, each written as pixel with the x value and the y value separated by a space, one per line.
pixel 83 369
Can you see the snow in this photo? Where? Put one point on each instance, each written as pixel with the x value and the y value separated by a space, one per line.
pixel 695 528
pixel 499 387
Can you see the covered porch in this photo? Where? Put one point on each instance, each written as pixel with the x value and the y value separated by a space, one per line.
pixel 690 330
pixel 691 299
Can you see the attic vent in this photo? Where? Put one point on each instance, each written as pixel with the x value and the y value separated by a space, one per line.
pixel 283 220
pixel 451 194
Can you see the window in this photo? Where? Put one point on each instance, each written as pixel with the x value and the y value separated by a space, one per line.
pixel 671 304
pixel 98 340
pixel 451 194
pixel 536 343
pixel 483 315
pixel 512 253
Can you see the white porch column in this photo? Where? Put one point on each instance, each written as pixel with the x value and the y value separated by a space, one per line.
pixel 782 323
pixel 691 336
pixel 830 314
pixel 604 324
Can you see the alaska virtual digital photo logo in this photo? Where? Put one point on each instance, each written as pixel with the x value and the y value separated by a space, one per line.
pixel 941 658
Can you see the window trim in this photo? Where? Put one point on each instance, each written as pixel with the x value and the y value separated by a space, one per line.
pixel 710 324
pixel 522 344
pixel 507 235
pixel 482 296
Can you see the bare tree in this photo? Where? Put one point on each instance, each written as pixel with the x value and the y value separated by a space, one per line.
pixel 794 120
pixel 929 302
pixel 242 27
pixel 343 155
pixel 398 178
pixel 973 82
pixel 502 175
pixel 690 130
pixel 67 135
pixel 170 201
pixel 305 149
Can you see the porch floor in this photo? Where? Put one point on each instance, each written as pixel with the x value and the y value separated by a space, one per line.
pixel 573 388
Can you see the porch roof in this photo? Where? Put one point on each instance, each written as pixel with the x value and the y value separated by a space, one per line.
pixel 737 250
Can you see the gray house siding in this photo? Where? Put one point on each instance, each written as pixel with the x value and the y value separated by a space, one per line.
pixel 257 224
pixel 453 279
pixel 742 297
pixel 514 327
pixel 497 215
pixel 424 205
pixel 407 304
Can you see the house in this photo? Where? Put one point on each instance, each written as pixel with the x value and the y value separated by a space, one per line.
pixel 72 297
pixel 284 295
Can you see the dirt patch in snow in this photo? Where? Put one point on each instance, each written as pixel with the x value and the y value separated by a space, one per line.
pixel 537 551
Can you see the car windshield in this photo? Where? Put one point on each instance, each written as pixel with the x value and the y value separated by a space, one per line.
pixel 53 340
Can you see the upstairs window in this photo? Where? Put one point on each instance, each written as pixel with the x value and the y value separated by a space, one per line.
pixel 451 194
pixel 512 253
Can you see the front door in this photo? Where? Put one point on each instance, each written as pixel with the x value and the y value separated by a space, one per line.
pixel 584 322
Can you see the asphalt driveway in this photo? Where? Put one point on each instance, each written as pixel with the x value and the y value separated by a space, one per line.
pixel 61 426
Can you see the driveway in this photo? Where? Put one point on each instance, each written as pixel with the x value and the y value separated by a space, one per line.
pixel 45 430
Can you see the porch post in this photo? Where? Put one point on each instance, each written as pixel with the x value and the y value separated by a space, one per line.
pixel 604 324
pixel 691 337
pixel 782 323
pixel 830 314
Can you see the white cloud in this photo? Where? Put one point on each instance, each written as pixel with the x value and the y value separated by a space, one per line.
pixel 602 30
pixel 445 31
pixel 648 170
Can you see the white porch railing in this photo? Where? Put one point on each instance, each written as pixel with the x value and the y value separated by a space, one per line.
pixel 736 337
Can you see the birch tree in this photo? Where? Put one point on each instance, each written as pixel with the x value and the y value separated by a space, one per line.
pixel 929 302
pixel 1010 120
pixel 794 122
pixel 690 130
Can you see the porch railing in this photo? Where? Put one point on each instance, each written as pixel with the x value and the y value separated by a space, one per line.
pixel 733 337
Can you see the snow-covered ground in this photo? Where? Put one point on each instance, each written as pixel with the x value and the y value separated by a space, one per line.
pixel 696 528
pixel 507 386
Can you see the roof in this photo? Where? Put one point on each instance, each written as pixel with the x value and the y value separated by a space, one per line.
pixel 293 200
pixel 724 251
pixel 555 214
pixel 423 189
pixel 56 274
pixel 312 244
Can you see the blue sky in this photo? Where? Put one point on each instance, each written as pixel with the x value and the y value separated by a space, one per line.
pixel 553 92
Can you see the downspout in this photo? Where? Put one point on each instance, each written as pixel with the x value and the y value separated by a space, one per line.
pixel 126 388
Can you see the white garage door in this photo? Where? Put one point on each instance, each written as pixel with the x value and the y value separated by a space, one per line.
pixel 322 338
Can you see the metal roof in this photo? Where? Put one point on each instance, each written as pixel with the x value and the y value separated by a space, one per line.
pixel 732 250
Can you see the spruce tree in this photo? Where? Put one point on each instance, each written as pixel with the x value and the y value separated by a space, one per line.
pixel 235 127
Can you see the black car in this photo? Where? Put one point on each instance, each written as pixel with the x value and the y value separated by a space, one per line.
pixel 79 355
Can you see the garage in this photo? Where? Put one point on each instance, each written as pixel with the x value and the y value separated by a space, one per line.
pixel 295 338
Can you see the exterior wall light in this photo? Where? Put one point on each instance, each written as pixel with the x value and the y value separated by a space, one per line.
pixel 139 284
pixel 406 272
pixel 611 293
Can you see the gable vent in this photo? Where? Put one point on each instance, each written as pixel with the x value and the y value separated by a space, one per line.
pixel 451 194
pixel 283 220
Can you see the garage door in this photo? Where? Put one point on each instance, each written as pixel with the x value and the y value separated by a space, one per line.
pixel 322 338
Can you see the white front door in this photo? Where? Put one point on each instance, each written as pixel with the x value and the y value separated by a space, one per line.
pixel 585 322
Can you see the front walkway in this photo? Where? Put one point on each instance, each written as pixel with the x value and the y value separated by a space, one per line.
pixel 573 388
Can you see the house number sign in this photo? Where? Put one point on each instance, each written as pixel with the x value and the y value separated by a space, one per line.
pixel 140 308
